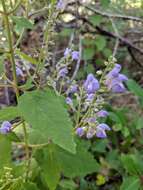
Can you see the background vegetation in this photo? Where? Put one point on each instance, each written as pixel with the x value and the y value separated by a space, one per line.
pixel 100 29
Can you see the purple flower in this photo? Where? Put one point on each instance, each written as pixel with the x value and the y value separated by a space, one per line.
pixel 90 97
pixel 122 77
pixel 91 84
pixel 69 101
pixel 63 72
pixel 80 131
pixel 90 133
pixel 114 80
pixel 60 4
pixel 19 72
pixel 118 88
pixel 67 52
pixel 5 127
pixel 115 71
pixel 73 88
pixel 100 130
pixel 102 113
pixel 75 55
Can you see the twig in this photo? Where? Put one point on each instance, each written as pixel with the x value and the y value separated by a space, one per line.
pixel 104 32
pixel 118 16
pixel 117 40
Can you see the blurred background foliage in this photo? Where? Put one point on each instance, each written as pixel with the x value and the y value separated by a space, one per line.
pixel 105 28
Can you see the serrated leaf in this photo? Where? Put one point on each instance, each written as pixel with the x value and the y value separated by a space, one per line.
pixel 8 113
pixel 79 164
pixel 50 168
pixel 131 183
pixel 48 117
pixel 63 162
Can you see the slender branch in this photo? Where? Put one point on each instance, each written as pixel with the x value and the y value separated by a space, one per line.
pixel 117 40
pixel 9 38
pixel 104 32
pixel 118 16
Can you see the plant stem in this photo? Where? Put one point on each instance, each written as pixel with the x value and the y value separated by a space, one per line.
pixel 9 38
pixel 26 149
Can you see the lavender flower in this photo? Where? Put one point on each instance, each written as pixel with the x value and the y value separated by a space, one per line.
pixel 67 52
pixel 100 130
pixel 91 84
pixel 5 127
pixel 63 72
pixel 122 77
pixel 114 80
pixel 80 131
pixel 73 88
pixel 69 101
pixel 90 97
pixel 118 88
pixel 102 113
pixel 60 5
pixel 19 72
pixel 75 55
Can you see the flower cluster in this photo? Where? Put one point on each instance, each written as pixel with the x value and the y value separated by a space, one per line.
pixel 74 54
pixel 91 99
pixel 93 127
pixel 5 127
pixel 114 80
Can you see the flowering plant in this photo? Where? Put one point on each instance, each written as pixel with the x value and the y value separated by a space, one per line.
pixel 55 115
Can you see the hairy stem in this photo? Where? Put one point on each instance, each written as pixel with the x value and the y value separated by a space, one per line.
pixel 9 38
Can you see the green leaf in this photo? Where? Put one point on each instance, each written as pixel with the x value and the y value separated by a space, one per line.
pixel 29 186
pixel 79 164
pixel 88 53
pixel 55 161
pixel 105 3
pixel 95 19
pixel 107 52
pixel 135 88
pixel 21 23
pixel 139 124
pixel 66 32
pixel 26 57
pixel 48 117
pixel 131 163
pixel 5 151
pixel 130 183
pixel 8 113
pixel 68 184
pixel 50 168
pixel 100 42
